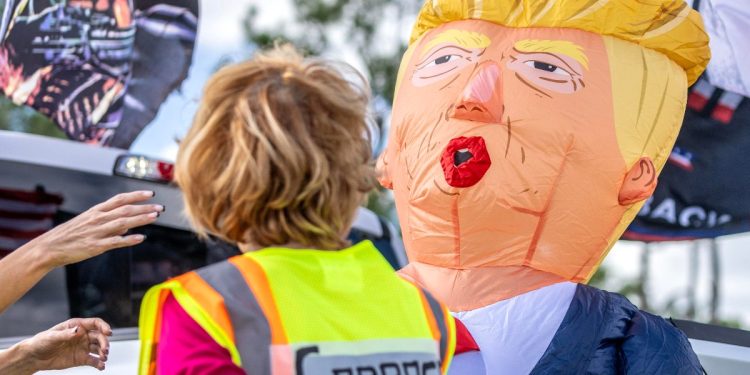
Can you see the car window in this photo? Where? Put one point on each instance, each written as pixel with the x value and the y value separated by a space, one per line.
pixel 112 285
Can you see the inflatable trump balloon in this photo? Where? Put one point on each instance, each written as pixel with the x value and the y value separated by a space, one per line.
pixel 526 135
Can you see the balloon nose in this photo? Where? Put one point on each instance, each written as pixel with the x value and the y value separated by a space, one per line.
pixel 482 99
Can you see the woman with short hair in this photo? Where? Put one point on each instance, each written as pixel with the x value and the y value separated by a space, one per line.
pixel 277 161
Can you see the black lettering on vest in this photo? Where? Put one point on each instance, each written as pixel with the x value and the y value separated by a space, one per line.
pixel 427 366
pixel 300 357
pixel 390 368
pixel 413 365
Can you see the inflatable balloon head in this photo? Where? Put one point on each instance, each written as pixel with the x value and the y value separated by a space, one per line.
pixel 527 134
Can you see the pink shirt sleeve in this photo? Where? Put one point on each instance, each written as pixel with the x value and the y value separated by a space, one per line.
pixel 186 349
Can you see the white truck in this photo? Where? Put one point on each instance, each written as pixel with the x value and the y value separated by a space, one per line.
pixel 111 286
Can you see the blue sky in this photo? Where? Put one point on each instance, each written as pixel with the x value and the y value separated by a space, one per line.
pixel 221 36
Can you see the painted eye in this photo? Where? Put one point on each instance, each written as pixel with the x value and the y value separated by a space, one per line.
pixel 543 66
pixel 443 60
pixel 440 63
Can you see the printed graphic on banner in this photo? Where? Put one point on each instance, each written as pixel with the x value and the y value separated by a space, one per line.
pixel 703 190
pixel 84 63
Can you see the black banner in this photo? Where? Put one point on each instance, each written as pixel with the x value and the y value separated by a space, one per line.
pixel 99 69
pixel 704 190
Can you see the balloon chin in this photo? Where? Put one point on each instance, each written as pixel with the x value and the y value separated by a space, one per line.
pixel 465 161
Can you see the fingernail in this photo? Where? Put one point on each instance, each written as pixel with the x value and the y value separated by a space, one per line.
pixel 153 193
pixel 148 193
pixel 75 330
pixel 140 237
pixel 159 207
pixel 163 208
pixel 153 214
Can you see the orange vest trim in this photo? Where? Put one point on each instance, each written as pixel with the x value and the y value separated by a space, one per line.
pixel 447 318
pixel 157 332
pixel 429 315
pixel 211 301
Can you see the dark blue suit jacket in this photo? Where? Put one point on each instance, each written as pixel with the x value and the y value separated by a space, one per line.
pixel 603 333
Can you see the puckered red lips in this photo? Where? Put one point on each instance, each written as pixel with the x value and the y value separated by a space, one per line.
pixel 465 161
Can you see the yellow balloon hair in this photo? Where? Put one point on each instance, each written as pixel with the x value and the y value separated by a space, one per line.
pixel 671 27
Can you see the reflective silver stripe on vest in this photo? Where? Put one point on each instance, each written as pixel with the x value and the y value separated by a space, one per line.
pixel 252 333
pixel 437 312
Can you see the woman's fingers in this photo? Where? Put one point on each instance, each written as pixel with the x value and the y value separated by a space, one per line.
pixel 94 324
pixel 97 363
pixel 115 227
pixel 118 221
pixel 94 348
pixel 101 228
pixel 117 242
pixel 130 211
pixel 101 340
pixel 124 199
pixel 96 341
pixel 70 323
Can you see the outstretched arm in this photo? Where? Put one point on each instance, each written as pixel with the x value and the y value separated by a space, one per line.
pixel 99 229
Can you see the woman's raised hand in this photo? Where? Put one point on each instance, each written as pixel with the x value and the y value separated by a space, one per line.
pixel 99 229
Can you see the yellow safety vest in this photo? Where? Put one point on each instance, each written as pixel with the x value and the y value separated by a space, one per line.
pixel 309 312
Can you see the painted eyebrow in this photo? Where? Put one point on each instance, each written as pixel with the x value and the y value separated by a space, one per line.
pixel 553 46
pixel 438 50
pixel 550 54
pixel 464 39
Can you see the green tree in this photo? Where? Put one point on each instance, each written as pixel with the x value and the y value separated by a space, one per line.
pixel 26 120
pixel 373 30
pixel 370 28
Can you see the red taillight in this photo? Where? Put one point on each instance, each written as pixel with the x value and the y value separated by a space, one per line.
pixel 166 170
pixel 144 168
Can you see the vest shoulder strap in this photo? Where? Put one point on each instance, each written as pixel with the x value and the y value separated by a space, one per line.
pixel 442 324
pixel 251 309
pixel 203 304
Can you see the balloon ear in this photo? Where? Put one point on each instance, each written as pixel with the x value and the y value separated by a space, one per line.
pixel 640 182
pixel 384 176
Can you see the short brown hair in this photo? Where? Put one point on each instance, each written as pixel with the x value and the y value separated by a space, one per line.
pixel 278 152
